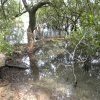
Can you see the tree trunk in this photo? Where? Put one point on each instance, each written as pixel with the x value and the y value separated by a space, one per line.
pixel 30 51
pixel 34 68
pixel 30 34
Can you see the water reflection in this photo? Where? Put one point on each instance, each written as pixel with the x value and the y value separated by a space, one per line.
pixel 40 63
pixel 53 67
pixel 53 64
pixel 50 64
pixel 26 60
pixel 58 67
pixel 28 71
pixel 40 52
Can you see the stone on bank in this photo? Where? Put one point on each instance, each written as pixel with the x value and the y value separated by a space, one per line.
pixel 2 60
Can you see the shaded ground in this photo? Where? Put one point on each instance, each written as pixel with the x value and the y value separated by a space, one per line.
pixel 17 85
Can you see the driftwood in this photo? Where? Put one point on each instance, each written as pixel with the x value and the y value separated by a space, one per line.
pixel 17 65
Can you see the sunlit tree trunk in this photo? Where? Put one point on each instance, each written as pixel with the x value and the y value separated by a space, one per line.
pixel 30 34
pixel 30 51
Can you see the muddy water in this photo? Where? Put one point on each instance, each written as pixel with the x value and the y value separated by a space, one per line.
pixel 56 81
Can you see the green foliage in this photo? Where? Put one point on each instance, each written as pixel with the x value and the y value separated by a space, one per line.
pixel 88 46
pixel 79 14
pixel 10 9
pixel 5 47
pixel 71 12
pixel 7 23
pixel 84 15
pixel 52 14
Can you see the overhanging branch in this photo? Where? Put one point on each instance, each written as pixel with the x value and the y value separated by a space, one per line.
pixel 3 2
pixel 39 5
pixel 21 13
pixel 26 5
pixel 2 7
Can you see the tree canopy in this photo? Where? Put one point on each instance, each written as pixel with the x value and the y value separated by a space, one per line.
pixel 63 15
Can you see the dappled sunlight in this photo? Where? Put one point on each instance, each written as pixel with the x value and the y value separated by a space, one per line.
pixel 49 50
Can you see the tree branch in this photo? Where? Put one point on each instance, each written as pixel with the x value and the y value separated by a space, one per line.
pixel 39 5
pixel 3 2
pixel 2 6
pixel 32 13
pixel 21 13
pixel 26 5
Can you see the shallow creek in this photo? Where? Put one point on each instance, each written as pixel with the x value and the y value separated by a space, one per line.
pixel 55 81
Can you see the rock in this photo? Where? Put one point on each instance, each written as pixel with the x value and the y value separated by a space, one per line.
pixel 2 59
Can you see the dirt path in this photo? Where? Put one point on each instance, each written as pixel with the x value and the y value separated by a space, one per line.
pixel 23 92
pixel 17 85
